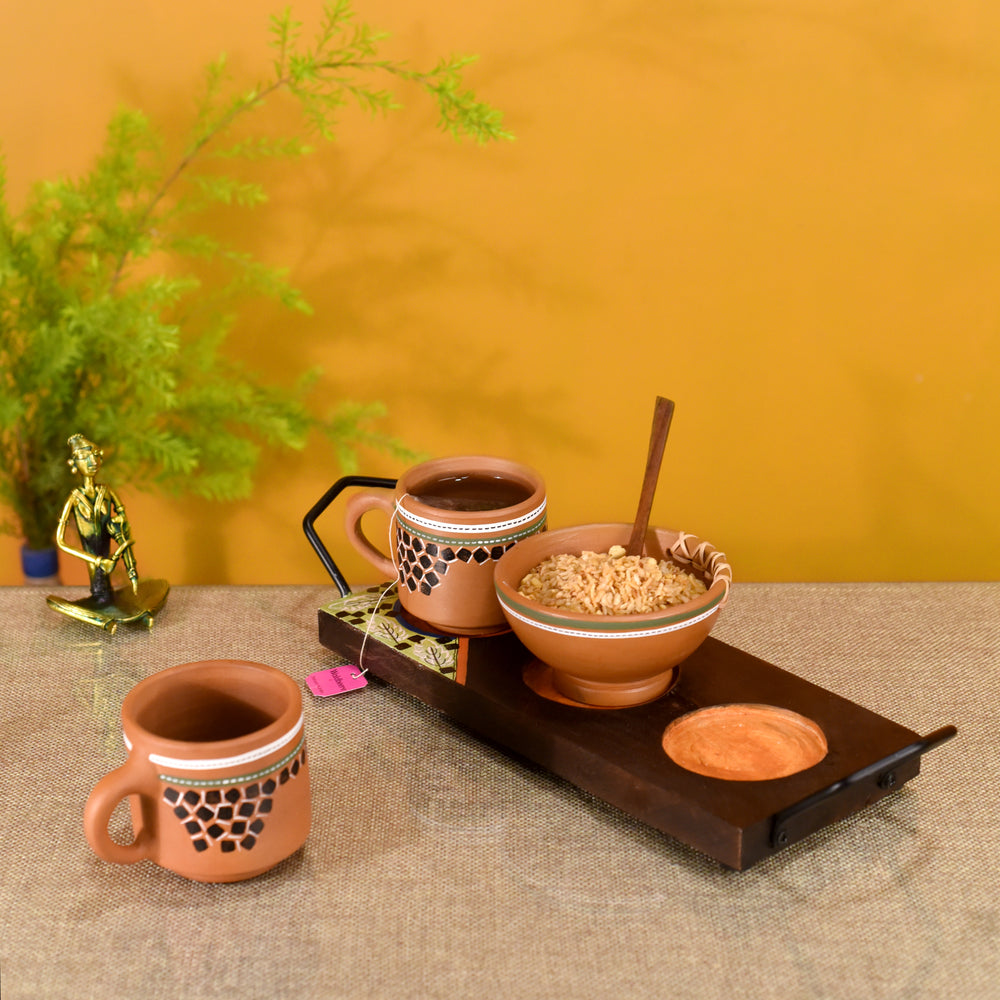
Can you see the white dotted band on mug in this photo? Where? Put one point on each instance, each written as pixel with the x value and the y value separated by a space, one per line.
pixel 466 529
pixel 220 763
pixel 241 779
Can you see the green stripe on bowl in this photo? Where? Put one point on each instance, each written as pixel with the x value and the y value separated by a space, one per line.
pixel 605 625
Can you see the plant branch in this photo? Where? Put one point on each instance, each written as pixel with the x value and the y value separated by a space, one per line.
pixel 139 365
pixel 442 82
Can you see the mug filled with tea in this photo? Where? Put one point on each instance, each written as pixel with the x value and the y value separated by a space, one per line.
pixel 216 775
pixel 450 520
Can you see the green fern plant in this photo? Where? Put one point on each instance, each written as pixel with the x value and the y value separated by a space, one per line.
pixel 96 338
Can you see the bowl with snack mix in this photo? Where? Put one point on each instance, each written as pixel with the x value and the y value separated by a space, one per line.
pixel 612 627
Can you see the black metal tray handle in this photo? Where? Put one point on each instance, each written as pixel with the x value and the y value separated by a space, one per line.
pixel 309 521
pixel 883 771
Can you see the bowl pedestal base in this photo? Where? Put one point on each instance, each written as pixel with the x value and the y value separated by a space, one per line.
pixel 618 695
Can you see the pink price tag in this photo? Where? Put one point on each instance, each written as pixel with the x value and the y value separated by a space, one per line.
pixel 336 680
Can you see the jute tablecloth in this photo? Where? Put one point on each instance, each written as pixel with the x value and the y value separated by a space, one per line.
pixel 438 867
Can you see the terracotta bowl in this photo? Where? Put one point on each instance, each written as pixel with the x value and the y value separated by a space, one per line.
pixel 612 660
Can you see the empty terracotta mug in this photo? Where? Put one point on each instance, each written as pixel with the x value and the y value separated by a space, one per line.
pixel 450 520
pixel 216 774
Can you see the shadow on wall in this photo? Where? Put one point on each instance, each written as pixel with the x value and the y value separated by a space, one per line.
pixel 376 243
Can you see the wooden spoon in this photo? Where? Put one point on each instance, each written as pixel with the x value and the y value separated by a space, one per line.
pixel 662 415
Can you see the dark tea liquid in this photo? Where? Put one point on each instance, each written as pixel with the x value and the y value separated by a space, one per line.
pixel 471 492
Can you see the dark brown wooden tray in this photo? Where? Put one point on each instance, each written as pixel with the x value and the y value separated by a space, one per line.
pixel 494 687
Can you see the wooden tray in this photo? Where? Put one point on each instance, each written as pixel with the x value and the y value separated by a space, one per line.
pixel 495 688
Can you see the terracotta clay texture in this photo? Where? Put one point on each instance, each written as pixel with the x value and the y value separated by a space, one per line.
pixel 217 772
pixel 613 660
pixel 443 557
pixel 744 742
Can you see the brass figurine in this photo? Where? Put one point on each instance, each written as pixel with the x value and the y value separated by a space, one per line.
pixel 100 520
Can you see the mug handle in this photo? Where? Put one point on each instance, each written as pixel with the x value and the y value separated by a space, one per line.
pixel 355 508
pixel 129 779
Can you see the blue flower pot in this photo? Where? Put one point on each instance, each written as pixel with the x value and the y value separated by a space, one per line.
pixel 39 565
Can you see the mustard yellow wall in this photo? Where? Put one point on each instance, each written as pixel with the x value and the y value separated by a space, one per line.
pixel 783 214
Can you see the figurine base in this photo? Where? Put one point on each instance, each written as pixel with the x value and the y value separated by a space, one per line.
pixel 127 607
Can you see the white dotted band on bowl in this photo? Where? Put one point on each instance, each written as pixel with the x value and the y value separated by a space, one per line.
pixel 222 763
pixel 627 634
pixel 466 529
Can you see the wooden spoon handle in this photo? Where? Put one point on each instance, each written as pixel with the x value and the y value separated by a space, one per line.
pixel 662 415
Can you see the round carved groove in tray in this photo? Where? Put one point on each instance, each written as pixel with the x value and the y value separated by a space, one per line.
pixel 744 742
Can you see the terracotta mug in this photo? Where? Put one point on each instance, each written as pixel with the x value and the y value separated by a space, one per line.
pixel 216 774
pixel 450 520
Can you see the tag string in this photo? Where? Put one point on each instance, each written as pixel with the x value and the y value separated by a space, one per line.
pixel 371 617
pixel 368 628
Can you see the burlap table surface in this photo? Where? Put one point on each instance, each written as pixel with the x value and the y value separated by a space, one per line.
pixel 440 867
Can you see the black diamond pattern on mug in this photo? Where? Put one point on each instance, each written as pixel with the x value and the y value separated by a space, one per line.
pixel 423 565
pixel 232 818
